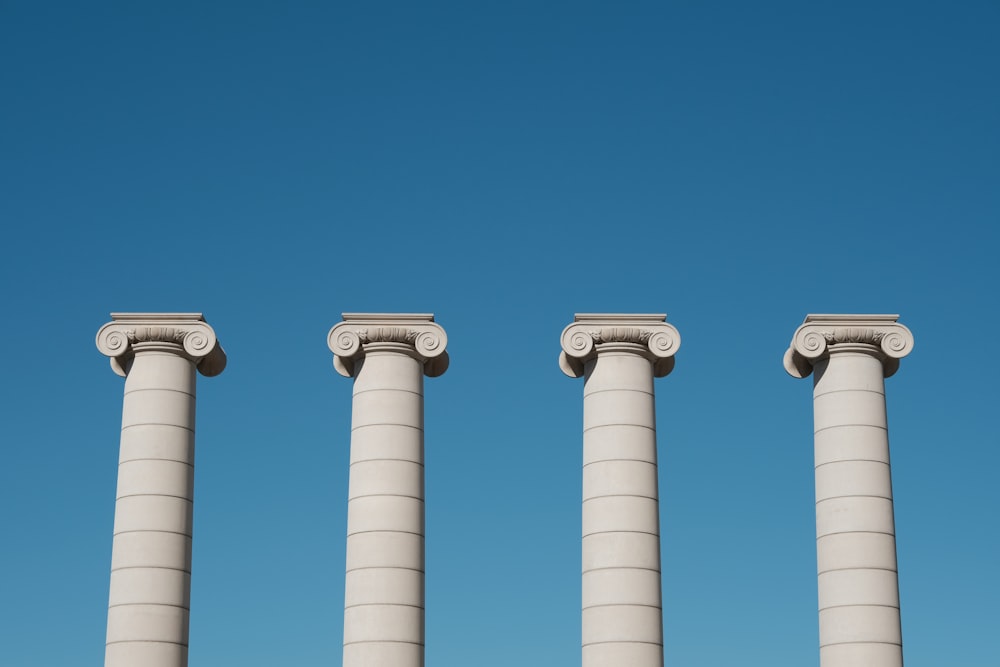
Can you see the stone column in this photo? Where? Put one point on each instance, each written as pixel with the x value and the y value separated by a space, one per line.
pixel 388 356
pixel 849 357
pixel 618 356
pixel 148 609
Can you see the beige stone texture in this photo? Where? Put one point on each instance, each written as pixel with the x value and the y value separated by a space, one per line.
pixel 388 356
pixel 149 599
pixel 618 356
pixel 622 653
pixel 849 357
pixel 146 653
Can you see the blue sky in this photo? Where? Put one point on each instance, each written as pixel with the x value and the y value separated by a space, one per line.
pixel 502 165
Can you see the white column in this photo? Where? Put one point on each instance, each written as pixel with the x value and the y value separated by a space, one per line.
pixel 849 357
pixel 388 356
pixel 148 609
pixel 618 356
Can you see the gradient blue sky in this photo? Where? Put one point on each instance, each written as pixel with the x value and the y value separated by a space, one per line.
pixel 503 165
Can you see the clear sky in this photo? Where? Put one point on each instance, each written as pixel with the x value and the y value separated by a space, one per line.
pixel 502 165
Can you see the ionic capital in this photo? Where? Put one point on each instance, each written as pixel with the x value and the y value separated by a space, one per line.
pixel 820 335
pixel 649 335
pixel 184 333
pixel 416 334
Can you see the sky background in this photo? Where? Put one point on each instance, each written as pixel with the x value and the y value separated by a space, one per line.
pixel 504 166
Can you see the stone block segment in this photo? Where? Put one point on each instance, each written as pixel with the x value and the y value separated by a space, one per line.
pixel 849 357
pixel 619 356
pixel 148 608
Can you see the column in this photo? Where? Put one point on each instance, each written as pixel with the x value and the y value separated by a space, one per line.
pixel 388 356
pixel 148 607
pixel 849 357
pixel 618 356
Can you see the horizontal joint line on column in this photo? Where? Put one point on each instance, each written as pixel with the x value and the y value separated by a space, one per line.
pixel 402 391
pixel 632 391
pixel 190 465
pixel 841 391
pixel 175 391
pixel 353 463
pixel 854 495
pixel 845 569
pixel 152 530
pixel 859 604
pixel 384 567
pixel 860 642
pixel 148 604
pixel 623 604
pixel 606 532
pixel 150 567
pixel 620 495
pixel 383 641
pixel 622 567
pixel 652 463
pixel 383 604
pixel 820 465
pixel 612 460
pixel 623 641
pixel 851 532
pixel 183 428
pixel 384 495
pixel 358 428
pixel 416 428
pixel 399 532
pixel 648 428
pixel 385 530
pixel 827 428
pixel 145 641
pixel 156 495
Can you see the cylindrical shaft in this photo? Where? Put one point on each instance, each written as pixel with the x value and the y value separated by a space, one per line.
pixel 151 553
pixel 622 618
pixel 384 590
pixel 859 621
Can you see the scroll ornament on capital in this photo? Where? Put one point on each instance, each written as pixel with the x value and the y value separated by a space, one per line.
pixel 187 332
pixel 582 341
pixel 821 334
pixel 425 339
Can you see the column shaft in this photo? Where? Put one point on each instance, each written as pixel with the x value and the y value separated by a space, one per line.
pixel 622 618
pixel 855 535
pixel 384 590
pixel 151 554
